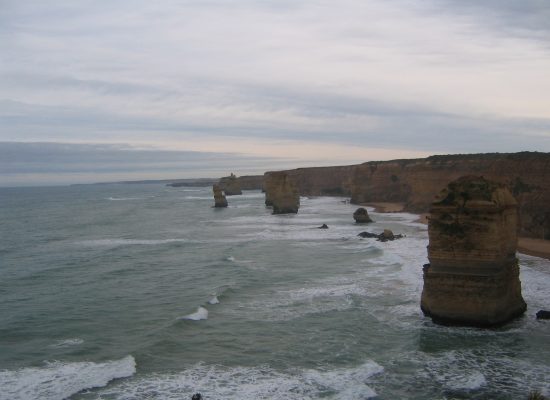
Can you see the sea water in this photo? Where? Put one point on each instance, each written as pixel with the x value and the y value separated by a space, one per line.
pixel 147 292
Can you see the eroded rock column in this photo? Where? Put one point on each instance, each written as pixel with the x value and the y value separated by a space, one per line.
pixel 219 197
pixel 282 193
pixel 473 274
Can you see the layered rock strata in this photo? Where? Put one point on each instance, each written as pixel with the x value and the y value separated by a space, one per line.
pixel 281 193
pixel 230 185
pixel 219 198
pixel 473 275
pixel 415 182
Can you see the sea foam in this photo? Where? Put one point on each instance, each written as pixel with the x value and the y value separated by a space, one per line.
pixel 251 383
pixel 200 314
pixel 60 380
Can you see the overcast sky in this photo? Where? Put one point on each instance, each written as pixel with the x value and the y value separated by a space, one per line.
pixel 131 89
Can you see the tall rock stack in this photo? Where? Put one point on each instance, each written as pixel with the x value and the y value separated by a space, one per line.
pixel 473 275
pixel 231 185
pixel 281 193
pixel 219 198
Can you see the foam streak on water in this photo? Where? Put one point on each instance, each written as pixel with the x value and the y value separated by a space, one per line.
pixel 58 380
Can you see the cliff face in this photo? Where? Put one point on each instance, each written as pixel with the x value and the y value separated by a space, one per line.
pixel 230 185
pixel 321 181
pixel 235 184
pixel 416 182
pixel 251 182
pixel 473 275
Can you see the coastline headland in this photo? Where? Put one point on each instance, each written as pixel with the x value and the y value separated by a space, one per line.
pixel 415 182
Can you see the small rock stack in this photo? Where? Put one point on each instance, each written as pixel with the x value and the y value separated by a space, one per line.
pixel 473 275
pixel 219 197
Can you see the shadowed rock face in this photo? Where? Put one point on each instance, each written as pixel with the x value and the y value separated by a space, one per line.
pixel 361 216
pixel 219 197
pixel 473 275
pixel 230 185
pixel 281 193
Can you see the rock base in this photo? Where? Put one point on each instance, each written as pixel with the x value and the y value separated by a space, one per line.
pixel 472 298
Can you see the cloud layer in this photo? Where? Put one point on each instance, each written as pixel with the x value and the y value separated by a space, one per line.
pixel 279 79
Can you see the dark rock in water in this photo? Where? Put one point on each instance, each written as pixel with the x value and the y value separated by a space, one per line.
pixel 382 237
pixel 219 197
pixel 361 216
pixel 543 314
pixel 197 396
pixel 368 235
pixel 324 226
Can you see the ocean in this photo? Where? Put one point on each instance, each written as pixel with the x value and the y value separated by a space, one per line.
pixel 126 292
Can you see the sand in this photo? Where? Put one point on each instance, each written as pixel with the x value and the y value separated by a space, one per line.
pixel 387 207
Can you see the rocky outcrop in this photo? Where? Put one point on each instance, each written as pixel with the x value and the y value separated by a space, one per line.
pixel 361 216
pixel 281 193
pixel 219 198
pixel 381 237
pixel 473 275
pixel 230 185
pixel 543 314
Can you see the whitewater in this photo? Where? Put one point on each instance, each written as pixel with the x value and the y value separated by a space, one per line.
pixel 147 292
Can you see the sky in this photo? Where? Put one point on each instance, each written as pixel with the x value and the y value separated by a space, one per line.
pixel 137 89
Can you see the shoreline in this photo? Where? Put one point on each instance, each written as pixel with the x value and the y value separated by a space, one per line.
pixel 529 246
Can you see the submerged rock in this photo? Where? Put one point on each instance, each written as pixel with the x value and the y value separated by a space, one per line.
pixel 543 314
pixel 324 226
pixel 473 275
pixel 361 216
pixel 219 198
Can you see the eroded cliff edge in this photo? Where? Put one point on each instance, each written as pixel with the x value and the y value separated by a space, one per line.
pixel 415 182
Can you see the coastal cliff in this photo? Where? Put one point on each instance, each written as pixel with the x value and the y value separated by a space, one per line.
pixel 415 182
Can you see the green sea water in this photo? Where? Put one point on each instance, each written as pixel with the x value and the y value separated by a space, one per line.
pixel 147 292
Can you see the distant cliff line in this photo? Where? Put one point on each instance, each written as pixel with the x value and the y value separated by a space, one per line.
pixel 415 182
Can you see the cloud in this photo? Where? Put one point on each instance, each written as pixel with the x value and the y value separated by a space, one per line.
pixel 269 77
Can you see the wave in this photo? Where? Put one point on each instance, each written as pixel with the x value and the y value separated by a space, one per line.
pixel 251 383
pixel 214 300
pixel 60 380
pixel 125 198
pixel 127 242
pixel 199 198
pixel 200 314
pixel 68 342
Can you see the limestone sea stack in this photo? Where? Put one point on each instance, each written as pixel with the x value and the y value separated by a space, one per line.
pixel 361 216
pixel 230 185
pixel 473 274
pixel 219 198
pixel 281 193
